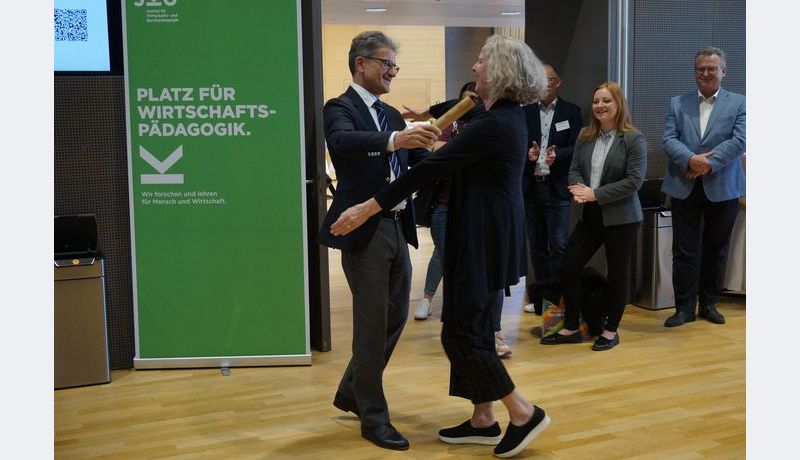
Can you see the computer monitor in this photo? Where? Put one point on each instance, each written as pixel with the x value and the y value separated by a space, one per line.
pixel 75 235
pixel 87 36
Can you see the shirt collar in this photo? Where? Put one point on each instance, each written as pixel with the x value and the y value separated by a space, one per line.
pixel 710 100
pixel 548 107
pixel 605 137
pixel 365 95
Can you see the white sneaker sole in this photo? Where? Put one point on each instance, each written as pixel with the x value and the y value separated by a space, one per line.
pixel 527 440
pixel 482 440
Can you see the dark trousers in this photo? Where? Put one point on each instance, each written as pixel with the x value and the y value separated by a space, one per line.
pixel 476 372
pixel 379 277
pixel 547 223
pixel 587 237
pixel 701 231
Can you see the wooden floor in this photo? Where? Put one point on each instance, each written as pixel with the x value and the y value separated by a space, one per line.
pixel 662 394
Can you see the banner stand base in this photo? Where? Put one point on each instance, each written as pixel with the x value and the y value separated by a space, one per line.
pixel 221 361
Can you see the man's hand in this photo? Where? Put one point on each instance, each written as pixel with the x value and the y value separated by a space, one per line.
pixel 417 137
pixel 415 114
pixel 533 152
pixel 355 216
pixel 582 193
pixel 699 165
pixel 550 155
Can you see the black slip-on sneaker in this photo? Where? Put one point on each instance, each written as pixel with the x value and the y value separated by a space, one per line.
pixel 517 438
pixel 467 434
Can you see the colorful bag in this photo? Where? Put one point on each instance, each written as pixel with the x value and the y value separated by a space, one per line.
pixel 553 319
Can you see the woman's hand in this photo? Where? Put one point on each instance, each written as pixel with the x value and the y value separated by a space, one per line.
pixel 415 114
pixel 354 217
pixel 582 193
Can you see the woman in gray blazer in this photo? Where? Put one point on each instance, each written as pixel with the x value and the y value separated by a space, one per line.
pixel 607 170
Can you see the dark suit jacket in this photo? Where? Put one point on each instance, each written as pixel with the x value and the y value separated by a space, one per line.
pixel 564 141
pixel 485 234
pixel 359 155
pixel 621 178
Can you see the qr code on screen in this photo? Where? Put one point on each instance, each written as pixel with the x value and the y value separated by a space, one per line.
pixel 70 26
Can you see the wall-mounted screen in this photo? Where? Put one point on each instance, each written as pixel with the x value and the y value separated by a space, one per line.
pixel 81 36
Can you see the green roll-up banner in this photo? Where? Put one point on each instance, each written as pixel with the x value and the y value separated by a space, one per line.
pixel 217 190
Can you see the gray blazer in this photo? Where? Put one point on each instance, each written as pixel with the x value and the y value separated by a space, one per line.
pixel 623 174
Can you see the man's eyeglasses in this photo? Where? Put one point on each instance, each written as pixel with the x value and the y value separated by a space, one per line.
pixel 711 70
pixel 387 64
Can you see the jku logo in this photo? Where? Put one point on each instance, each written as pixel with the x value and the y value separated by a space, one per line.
pixel 155 2
pixel 161 167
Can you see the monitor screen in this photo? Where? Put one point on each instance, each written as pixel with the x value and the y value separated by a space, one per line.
pixel 81 36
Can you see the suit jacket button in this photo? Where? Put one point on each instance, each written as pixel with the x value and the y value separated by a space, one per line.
pixel 388 179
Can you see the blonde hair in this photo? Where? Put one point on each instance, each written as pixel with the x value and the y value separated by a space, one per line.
pixel 622 121
pixel 513 71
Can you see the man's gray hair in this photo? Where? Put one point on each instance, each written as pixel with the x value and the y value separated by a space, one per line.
pixel 366 44
pixel 513 71
pixel 711 51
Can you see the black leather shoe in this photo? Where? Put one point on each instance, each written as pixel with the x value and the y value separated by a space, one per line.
pixel 557 339
pixel 678 319
pixel 345 404
pixel 603 344
pixel 711 314
pixel 385 436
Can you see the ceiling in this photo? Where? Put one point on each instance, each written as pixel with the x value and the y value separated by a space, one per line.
pixel 462 13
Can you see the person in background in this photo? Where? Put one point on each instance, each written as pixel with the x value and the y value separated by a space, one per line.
pixel 704 139
pixel 485 250
pixel 438 216
pixel 553 127
pixel 438 224
pixel 607 171
pixel 368 142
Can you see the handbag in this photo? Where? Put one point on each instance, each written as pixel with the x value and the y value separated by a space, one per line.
pixel 553 319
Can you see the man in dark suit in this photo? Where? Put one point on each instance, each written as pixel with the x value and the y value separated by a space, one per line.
pixel 368 143
pixel 704 139
pixel 553 127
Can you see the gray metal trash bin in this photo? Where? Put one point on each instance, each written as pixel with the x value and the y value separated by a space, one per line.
pixel 80 341
pixel 653 261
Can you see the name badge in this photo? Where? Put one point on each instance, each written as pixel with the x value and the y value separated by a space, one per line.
pixel 562 125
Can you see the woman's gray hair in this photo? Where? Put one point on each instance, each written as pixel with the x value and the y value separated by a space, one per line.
pixel 366 44
pixel 513 71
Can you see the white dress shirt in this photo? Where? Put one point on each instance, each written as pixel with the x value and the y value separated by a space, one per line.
pixel 370 99
pixel 601 147
pixel 545 120
pixel 706 106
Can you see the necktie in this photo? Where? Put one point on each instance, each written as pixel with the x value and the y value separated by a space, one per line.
pixel 395 164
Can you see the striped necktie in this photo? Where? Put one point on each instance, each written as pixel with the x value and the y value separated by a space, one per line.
pixel 378 106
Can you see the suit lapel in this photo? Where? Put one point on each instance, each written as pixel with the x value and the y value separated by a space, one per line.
pixel 723 98
pixel 587 160
pixel 536 125
pixel 361 108
pixel 556 113
pixel 693 110
pixel 614 150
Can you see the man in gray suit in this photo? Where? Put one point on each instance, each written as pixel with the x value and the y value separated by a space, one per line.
pixel 704 138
